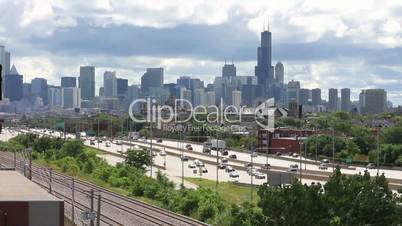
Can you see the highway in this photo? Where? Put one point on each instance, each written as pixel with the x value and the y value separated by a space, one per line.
pixel 115 209
pixel 174 166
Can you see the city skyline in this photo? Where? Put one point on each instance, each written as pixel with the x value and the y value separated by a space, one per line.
pixel 322 56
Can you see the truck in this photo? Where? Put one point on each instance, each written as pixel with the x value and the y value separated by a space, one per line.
pixel 213 144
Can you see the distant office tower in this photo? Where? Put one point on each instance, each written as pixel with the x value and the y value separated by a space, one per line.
pixel 13 88
pixel 228 70
pixel 316 96
pixel 373 101
pixel 199 97
pixel 101 91
pixel 133 92
pixel 5 60
pixel 185 94
pixel 210 87
pixel 251 95
pixel 68 81
pixel 304 96
pixel 26 91
pixel 332 100
pixel 87 82
pixel 71 97
pixel 109 84
pixel 39 89
pixel 54 97
pixel 211 98
pixel 184 81
pixel 236 98
pixel 279 73
pixel 293 92
pixel 264 69
pixel 122 86
pixel 152 79
pixel 345 100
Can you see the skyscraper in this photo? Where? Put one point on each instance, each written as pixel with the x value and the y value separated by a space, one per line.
pixel 229 70
pixel 332 100
pixel 279 73
pixel 68 81
pixel 293 93
pixel 236 98
pixel 184 81
pixel 39 89
pixel 151 80
pixel 5 60
pixel 13 85
pixel 199 97
pixel 264 69
pixel 316 96
pixel 109 84
pixel 373 101
pixel 122 86
pixel 304 96
pixel 345 100
pixel 87 82
pixel 71 97
pixel 54 97
pixel 210 98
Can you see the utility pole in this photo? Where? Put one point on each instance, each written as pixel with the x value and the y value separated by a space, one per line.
pixel 50 180
pixel 92 207
pixel 378 151
pixel 333 150
pixel 98 214
pixel 72 199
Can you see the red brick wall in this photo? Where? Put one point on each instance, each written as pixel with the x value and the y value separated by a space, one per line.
pixel 290 145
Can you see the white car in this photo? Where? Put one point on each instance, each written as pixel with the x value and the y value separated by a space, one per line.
pixel 233 174
pixel 204 170
pixel 162 153
pixel 259 176
pixel 108 144
pixel 229 169
pixel 323 166
pixel 254 154
pixel 292 170
pixel 199 163
pixel 191 165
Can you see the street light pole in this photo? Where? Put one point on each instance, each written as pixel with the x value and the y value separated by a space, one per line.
pixel 378 151
pixel 333 150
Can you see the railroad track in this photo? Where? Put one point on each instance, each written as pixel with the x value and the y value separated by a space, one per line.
pixel 116 209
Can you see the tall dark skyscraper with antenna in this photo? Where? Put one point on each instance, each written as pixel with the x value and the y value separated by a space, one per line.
pixel 264 69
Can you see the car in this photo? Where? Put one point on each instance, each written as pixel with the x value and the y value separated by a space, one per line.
pixel 278 154
pixel 259 175
pixel 224 160
pixel 253 172
pixel 92 142
pixel 294 166
pixel 206 150
pixel 323 166
pixel 107 144
pixel 229 169
pixel 224 152
pixel 192 166
pixel 154 154
pixel 290 154
pixel 204 170
pixel 199 163
pixel 295 155
pixel 233 156
pixel 119 142
pixel 222 166
pixel 248 164
pixel 162 153
pixel 99 141
pixel 266 166
pixel 234 174
pixel 325 161
pixel 159 141
pixel 370 166
pixel 184 158
pixel 254 154
pixel 292 170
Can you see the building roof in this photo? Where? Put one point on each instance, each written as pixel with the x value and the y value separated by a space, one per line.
pixel 15 187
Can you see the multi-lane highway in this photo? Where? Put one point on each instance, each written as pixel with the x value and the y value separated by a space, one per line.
pixel 115 209
pixel 175 168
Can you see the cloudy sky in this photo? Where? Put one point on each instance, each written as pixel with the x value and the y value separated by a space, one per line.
pixel 355 44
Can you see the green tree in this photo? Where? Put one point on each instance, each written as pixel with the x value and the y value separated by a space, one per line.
pixel 392 135
pixel 72 148
pixel 138 158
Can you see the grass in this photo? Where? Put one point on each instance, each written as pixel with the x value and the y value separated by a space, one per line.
pixel 233 193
